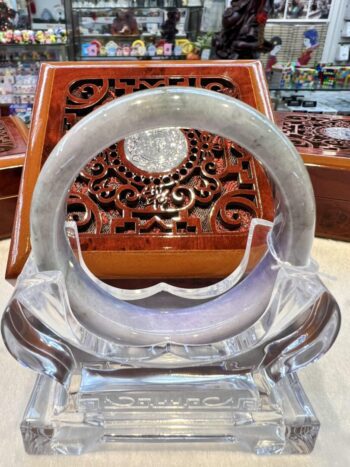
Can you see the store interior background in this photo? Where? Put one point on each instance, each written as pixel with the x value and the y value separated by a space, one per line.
pixel 39 31
pixel 313 31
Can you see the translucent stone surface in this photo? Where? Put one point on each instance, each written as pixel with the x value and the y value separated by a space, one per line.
pixel 158 150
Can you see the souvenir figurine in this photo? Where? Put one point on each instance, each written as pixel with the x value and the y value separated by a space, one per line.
pixel 9 36
pixel 111 48
pixel 151 50
pixel 61 35
pixel 57 32
pixel 103 51
pixel 84 50
pixel 47 38
pixel 52 36
pixel 92 49
pixel 25 36
pixel 187 47
pixel 168 48
pixel 119 51
pixel 177 50
pixel 17 37
pixel 159 50
pixel 126 50
pixel 276 41
pixel 39 37
pixel 311 43
pixel 140 46
pixel 98 45
pixel 31 37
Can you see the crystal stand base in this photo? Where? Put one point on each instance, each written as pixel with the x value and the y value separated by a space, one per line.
pixel 103 408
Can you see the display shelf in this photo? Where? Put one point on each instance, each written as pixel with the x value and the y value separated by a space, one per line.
pixel 33 45
pixel 296 89
pixel 297 21
pixel 167 8
pixel 133 58
pixel 11 61
pixel 100 27
pixel 146 35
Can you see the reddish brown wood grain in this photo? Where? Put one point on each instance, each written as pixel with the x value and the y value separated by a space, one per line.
pixel 160 245
pixel 328 163
pixel 13 141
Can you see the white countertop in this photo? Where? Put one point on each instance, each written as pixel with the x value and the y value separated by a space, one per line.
pixel 327 384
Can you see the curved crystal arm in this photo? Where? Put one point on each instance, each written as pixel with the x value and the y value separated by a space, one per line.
pixel 227 315
pixel 31 343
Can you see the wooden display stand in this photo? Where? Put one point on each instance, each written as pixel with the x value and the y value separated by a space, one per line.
pixel 13 142
pixel 191 222
pixel 324 143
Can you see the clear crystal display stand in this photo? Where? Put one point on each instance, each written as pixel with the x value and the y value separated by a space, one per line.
pixel 165 363
pixel 246 411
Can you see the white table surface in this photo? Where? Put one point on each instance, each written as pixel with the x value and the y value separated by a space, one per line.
pixel 327 384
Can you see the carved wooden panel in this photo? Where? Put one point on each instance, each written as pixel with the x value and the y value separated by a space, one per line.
pixel 189 221
pixel 6 141
pixel 324 143
pixel 317 133
pixel 214 189
pixel 82 96
pixel 13 139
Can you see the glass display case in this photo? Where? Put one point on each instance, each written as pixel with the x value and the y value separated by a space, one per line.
pixel 30 33
pixel 135 29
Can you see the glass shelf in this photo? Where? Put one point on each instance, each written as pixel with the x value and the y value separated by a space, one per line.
pixel 33 45
pixel 133 58
pixel 13 61
pixel 147 35
pixel 199 7
pixel 309 89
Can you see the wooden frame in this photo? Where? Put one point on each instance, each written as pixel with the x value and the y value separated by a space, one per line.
pixel 328 162
pixel 68 91
pixel 13 142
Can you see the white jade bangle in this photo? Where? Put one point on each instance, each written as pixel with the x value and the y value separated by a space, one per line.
pixel 121 322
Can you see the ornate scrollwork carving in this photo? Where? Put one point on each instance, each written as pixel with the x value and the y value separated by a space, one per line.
pixel 312 131
pixel 213 190
pixel 6 141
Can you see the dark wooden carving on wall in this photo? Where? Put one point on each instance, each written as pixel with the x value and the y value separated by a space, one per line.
pixel 243 27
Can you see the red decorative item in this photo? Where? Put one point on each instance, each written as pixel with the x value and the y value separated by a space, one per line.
pixel 262 17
